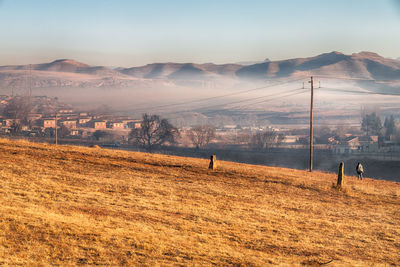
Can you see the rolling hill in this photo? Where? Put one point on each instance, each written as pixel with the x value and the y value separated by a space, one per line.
pixel 64 205
pixel 359 65
pixel 364 65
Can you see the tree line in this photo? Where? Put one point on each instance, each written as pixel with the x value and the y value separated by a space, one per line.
pixel 372 125
pixel 155 132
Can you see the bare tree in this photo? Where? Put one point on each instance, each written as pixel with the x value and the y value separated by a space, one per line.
pixel 201 135
pixel 371 124
pixel 265 140
pixel 63 131
pixel 341 131
pixel 153 131
pixel 100 134
pixel 280 138
pixel 16 128
pixel 18 108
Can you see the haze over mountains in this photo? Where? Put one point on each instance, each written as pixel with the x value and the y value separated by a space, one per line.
pixel 71 73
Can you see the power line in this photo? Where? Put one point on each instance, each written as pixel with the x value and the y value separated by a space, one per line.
pixel 311 124
pixel 219 96
pixel 356 91
pixel 295 92
pixel 355 79
pixel 201 109
pixel 210 112
pixel 254 98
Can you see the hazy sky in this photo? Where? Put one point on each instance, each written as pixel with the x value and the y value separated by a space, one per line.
pixel 136 32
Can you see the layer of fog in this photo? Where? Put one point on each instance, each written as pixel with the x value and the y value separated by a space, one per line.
pixel 335 102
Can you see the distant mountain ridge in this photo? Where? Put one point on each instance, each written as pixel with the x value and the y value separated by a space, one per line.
pixel 68 72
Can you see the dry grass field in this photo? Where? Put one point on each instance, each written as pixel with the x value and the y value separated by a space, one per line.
pixel 67 205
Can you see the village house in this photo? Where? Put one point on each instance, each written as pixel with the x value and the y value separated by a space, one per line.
pixel 290 139
pixel 71 117
pixel 98 124
pixel 83 122
pixel 368 144
pixel 230 127
pixel 48 123
pixel 105 117
pixel 134 124
pixel 69 123
pixel 65 111
pixel 127 121
pixel 10 122
pixel 357 144
pixel 347 146
pixel 116 125
pixel 41 97
pixel 332 140
pixel 34 116
pixel 75 132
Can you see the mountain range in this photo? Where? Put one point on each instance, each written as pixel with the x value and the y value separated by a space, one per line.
pixel 71 73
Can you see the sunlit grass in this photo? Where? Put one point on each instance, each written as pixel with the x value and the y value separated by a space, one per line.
pixel 68 206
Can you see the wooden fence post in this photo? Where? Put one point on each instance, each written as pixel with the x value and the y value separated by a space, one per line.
pixel 340 175
pixel 213 162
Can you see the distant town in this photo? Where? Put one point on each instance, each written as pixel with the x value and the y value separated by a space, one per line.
pixel 36 117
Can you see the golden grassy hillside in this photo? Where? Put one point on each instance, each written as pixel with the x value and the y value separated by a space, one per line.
pixel 67 205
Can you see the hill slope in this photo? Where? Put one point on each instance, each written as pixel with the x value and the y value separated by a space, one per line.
pixel 69 206
pixel 364 65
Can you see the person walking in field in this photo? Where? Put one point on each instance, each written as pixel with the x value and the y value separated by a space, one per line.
pixel 360 170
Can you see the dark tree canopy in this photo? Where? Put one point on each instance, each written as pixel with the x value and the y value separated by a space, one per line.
pixel 201 135
pixel 390 126
pixel 63 131
pixel 153 132
pixel 18 108
pixel 16 127
pixel 265 140
pixel 371 124
pixel 100 134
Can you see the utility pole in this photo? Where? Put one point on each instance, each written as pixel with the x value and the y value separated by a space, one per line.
pixel 30 80
pixel 311 123
pixel 56 129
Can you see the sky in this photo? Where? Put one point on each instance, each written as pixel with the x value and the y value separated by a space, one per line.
pixel 136 32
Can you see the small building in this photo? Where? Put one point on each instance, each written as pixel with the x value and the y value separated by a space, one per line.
pixel 10 122
pixel 98 124
pixel 34 116
pixel 83 122
pixel 332 140
pixel 116 125
pixel 129 121
pixel 65 111
pixel 347 146
pixel 75 132
pixel 71 124
pixel 48 123
pixel 134 124
pixel 290 139
pixel 368 144
pixel 357 144
pixel 230 127
pixel 72 116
